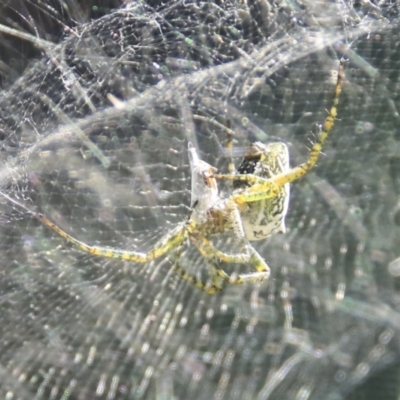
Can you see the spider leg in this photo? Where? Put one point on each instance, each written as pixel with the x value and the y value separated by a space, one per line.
pixel 193 280
pixel 207 249
pixel 177 269
pixel 204 286
pixel 234 222
pixel 170 241
pixel 297 172
pixel 263 271
pixel 219 276
pixel 250 255
pixel 212 286
pixel 247 254
pixel 261 188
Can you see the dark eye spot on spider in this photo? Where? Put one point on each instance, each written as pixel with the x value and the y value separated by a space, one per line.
pixel 247 166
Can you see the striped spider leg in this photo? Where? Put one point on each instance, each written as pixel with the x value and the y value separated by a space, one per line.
pixel 261 184
pixel 210 215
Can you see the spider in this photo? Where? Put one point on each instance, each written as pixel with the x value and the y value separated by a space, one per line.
pixel 254 210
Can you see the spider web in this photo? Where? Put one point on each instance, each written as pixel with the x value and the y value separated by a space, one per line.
pixel 98 102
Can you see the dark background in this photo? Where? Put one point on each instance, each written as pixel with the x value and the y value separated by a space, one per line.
pixel 94 124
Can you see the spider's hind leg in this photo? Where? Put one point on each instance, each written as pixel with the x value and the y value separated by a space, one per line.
pixel 211 286
pixel 218 276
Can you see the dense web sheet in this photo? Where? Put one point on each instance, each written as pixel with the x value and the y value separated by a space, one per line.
pixel 97 105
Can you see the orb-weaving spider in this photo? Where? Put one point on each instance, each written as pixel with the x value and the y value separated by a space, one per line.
pixel 256 208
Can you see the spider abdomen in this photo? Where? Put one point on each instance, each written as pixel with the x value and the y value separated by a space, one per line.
pixel 265 217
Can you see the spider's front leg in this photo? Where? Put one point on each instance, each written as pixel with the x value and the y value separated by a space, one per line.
pixel 259 188
pixel 297 172
pixel 170 241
